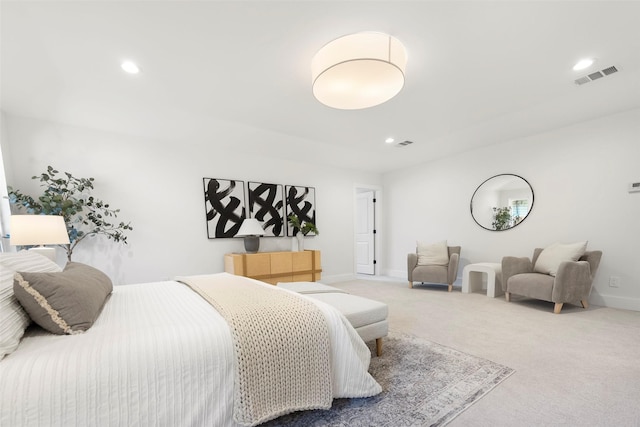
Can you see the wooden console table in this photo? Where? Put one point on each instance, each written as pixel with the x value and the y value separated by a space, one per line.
pixel 274 267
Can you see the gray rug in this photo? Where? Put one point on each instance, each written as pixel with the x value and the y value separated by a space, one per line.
pixel 423 384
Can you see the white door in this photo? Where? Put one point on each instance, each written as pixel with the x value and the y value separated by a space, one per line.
pixel 365 233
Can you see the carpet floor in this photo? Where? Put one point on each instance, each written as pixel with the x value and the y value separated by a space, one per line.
pixel 423 383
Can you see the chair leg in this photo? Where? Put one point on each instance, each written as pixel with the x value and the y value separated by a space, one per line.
pixel 585 303
pixel 507 296
pixel 450 287
pixel 558 307
pixel 410 284
pixel 378 346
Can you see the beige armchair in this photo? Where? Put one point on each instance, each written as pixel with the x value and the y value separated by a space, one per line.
pixel 444 274
pixel 572 283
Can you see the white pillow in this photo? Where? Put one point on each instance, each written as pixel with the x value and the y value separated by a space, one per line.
pixel 433 254
pixel 550 258
pixel 13 319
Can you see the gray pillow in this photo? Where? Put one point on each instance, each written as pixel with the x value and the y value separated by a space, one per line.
pixel 63 303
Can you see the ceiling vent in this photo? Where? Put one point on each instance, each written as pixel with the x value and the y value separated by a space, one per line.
pixel 404 143
pixel 596 75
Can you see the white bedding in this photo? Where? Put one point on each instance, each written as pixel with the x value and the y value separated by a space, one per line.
pixel 158 355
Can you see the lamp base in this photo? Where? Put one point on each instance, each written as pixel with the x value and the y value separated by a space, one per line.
pixel 251 244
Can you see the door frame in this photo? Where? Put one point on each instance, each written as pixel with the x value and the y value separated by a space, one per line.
pixel 377 219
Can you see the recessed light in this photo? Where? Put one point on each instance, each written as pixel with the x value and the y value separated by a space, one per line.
pixel 130 67
pixel 389 140
pixel 583 63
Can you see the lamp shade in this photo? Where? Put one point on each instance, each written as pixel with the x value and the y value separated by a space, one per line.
pixel 359 71
pixel 38 230
pixel 250 227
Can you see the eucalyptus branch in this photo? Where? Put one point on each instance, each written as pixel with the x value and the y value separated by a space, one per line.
pixel 70 197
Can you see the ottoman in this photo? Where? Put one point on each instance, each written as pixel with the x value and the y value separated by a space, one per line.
pixel 368 317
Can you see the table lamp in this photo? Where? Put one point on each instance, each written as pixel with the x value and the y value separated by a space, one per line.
pixel 40 230
pixel 250 230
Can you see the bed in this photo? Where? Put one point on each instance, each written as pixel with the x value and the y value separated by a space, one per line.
pixel 158 354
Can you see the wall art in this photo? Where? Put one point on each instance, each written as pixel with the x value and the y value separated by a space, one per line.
pixel 224 206
pixel 301 201
pixel 266 204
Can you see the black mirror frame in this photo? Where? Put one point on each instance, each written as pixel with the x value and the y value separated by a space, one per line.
pixel 533 198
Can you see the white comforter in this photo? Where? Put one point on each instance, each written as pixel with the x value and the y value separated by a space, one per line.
pixel 158 355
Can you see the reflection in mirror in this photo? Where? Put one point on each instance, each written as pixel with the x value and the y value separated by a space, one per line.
pixel 502 202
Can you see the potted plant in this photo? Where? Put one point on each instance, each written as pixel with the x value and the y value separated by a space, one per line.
pixel 301 229
pixel 84 215
pixel 501 218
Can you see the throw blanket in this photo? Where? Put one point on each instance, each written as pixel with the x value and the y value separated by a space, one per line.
pixel 281 347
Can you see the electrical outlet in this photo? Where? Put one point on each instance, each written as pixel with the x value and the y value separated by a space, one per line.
pixel 614 281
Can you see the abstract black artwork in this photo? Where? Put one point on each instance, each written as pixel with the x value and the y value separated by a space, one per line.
pixel 301 201
pixel 266 204
pixel 224 205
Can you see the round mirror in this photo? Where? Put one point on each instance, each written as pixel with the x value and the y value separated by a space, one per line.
pixel 502 202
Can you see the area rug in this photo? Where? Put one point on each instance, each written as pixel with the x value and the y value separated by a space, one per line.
pixel 423 384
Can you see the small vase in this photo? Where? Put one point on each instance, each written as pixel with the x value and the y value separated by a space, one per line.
pixel 300 238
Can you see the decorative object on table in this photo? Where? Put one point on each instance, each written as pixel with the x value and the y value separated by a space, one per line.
pixel 71 198
pixel 251 230
pixel 266 204
pixel 29 230
pixel 224 206
pixel 423 384
pixel 302 229
pixel 433 263
pixel 359 70
pixel 301 202
pixel 560 273
pixel 501 202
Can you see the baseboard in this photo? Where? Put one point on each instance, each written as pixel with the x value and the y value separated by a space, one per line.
pixel 336 278
pixel 400 274
pixel 611 301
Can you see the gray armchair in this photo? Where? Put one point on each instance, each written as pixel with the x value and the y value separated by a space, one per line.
pixel 572 283
pixel 444 274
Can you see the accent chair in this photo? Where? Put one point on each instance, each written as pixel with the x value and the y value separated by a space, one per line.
pixel 571 284
pixel 443 273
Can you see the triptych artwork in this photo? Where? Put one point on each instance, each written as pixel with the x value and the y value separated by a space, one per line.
pixel 270 204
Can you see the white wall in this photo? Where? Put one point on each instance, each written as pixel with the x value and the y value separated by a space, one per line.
pixel 158 187
pixel 579 176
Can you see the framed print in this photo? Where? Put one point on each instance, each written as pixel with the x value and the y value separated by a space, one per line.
pixel 224 206
pixel 266 204
pixel 300 201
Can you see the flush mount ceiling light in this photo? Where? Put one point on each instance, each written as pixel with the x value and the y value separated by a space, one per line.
pixel 583 64
pixel 130 67
pixel 359 71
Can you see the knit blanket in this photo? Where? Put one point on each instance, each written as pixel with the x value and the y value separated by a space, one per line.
pixel 281 347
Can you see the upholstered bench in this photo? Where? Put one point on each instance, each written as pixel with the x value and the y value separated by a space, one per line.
pixel 368 317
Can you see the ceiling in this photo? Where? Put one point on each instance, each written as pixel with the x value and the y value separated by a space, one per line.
pixel 478 72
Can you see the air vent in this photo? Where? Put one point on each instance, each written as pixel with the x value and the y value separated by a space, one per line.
pixel 404 143
pixel 596 75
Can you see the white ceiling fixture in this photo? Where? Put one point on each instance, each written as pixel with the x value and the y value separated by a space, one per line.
pixel 130 67
pixel 583 64
pixel 389 140
pixel 359 71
